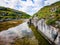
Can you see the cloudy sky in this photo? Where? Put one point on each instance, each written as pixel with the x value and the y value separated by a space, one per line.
pixel 28 6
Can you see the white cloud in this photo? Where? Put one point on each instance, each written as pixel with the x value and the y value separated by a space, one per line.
pixel 48 2
pixel 26 6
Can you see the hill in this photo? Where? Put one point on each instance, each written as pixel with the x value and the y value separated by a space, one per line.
pixel 11 14
pixel 50 13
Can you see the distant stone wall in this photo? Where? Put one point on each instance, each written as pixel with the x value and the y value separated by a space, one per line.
pixel 49 31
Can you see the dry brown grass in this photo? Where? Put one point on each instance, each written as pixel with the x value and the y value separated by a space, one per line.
pixel 9 24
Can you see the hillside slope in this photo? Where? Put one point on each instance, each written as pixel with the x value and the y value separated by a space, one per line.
pixel 51 14
pixel 10 14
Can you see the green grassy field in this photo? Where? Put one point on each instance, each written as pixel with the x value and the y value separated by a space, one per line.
pixel 10 14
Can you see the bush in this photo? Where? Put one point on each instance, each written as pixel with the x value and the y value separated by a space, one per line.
pixel 50 21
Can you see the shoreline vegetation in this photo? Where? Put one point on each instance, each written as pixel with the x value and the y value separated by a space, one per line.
pixel 39 37
pixel 9 24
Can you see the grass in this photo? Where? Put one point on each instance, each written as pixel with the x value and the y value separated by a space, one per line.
pixel 9 24
pixel 25 41
pixel 50 13
pixel 39 37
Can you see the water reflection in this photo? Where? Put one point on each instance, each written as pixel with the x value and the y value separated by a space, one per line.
pixel 12 33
